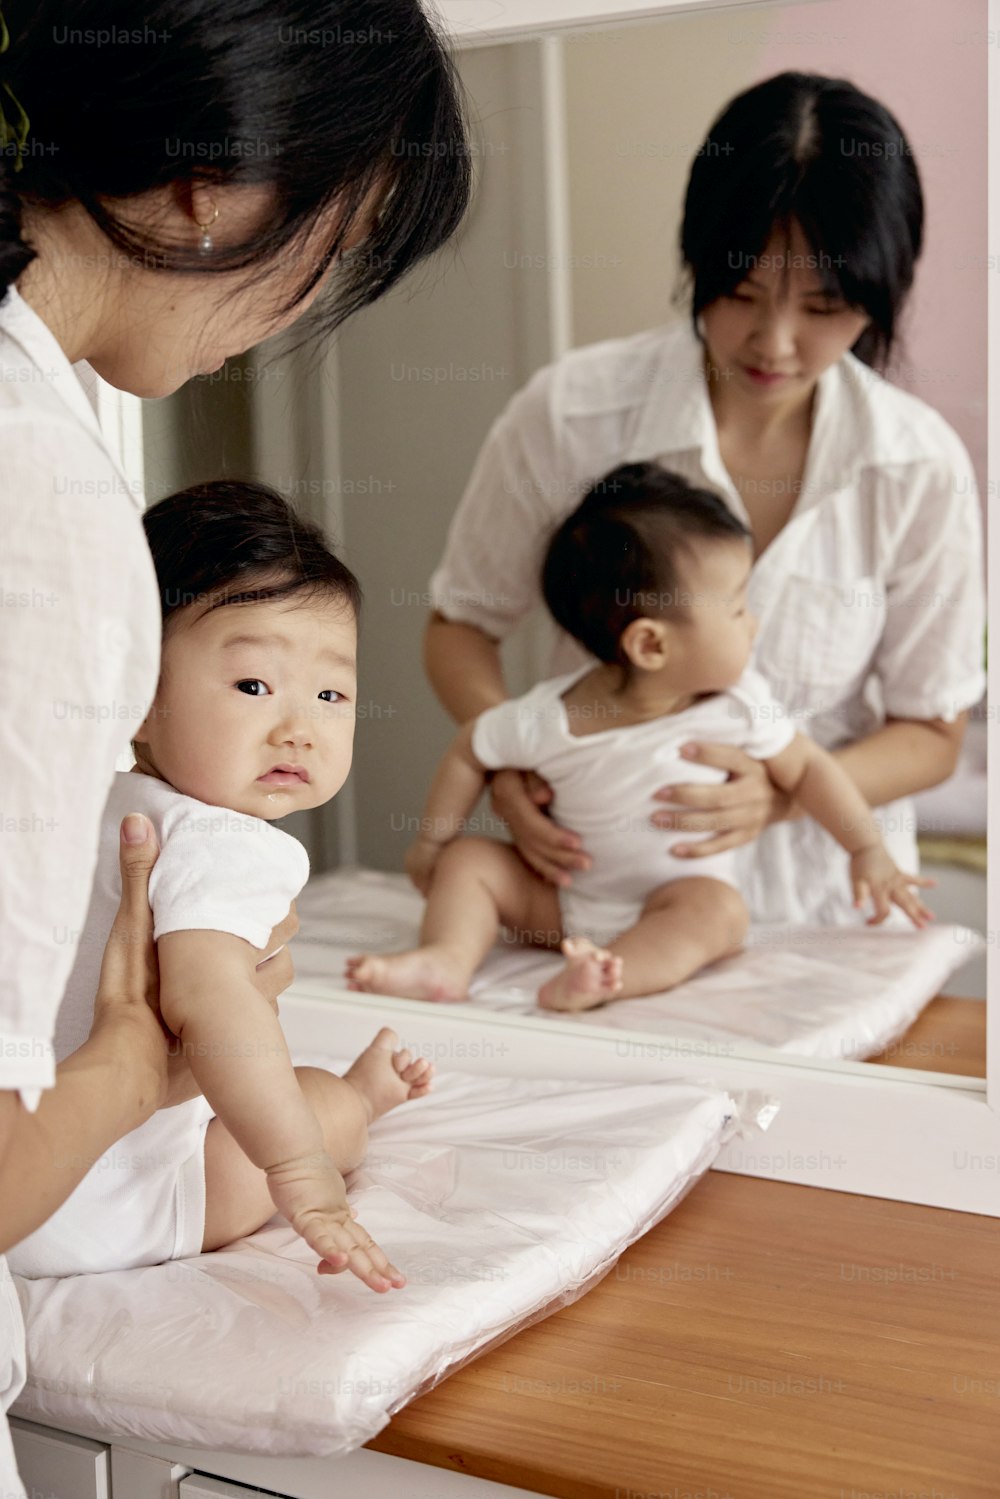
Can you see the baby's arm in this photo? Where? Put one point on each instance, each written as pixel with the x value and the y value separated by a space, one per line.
pixel 234 1045
pixel 457 786
pixel 815 780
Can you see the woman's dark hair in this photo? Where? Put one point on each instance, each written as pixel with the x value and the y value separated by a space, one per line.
pixel 235 542
pixel 817 151
pixel 325 102
pixel 616 558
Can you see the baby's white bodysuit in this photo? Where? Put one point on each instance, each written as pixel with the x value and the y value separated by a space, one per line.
pixel 143 1202
pixel 603 786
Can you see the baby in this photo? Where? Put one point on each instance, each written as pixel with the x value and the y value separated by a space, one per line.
pixel 253 719
pixel 650 576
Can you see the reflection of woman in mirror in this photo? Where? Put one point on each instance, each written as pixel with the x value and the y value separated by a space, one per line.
pixel 800 235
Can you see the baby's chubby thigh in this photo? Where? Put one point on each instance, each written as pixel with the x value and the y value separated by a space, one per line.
pixel 711 910
pixel 527 905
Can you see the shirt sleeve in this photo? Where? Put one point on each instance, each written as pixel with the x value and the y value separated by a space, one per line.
pixel 769 726
pixel 930 657
pixel 490 574
pixel 509 734
pixel 222 871
pixel 68 596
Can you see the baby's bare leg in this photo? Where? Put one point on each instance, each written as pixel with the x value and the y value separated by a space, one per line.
pixel 478 886
pixel 237 1201
pixel 684 926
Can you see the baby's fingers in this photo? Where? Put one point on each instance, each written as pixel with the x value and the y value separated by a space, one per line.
pixel 914 907
pixel 880 900
pixel 351 1247
pixel 862 893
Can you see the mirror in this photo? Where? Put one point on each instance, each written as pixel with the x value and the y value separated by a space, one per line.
pixel 583 145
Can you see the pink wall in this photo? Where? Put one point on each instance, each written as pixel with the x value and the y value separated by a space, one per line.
pixel 926 60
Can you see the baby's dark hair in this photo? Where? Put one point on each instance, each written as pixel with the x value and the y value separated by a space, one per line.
pixel 238 542
pixel 616 558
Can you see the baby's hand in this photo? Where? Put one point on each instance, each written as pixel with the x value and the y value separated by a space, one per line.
pixel 310 1191
pixel 421 857
pixel 874 876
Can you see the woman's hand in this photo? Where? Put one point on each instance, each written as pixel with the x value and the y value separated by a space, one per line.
pixel 517 796
pixel 274 973
pixel 130 972
pixel 736 811
pixel 127 1005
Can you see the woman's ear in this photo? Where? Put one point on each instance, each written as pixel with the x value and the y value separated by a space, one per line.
pixel 646 643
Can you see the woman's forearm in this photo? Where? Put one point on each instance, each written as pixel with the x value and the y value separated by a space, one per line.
pixel 100 1095
pixel 464 668
pixel 903 757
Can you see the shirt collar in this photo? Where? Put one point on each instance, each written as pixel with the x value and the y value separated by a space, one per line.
pixel 75 385
pixel 678 417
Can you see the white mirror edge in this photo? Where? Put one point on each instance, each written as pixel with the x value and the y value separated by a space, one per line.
pixel 905 1135
pixel 482 23
pixel 877 1131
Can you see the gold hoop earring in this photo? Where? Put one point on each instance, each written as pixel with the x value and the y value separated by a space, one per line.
pixel 205 243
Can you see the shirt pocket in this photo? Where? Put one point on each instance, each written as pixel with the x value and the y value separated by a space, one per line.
pixel 822 634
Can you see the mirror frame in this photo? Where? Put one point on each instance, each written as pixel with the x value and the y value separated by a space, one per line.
pixel 902 1134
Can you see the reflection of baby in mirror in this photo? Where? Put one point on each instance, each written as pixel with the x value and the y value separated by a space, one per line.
pixel 650 576
pixel 253 719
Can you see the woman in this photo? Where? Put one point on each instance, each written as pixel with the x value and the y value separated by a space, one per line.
pixel 170 195
pixel 868 574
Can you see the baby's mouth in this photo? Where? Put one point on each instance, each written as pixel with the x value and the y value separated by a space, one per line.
pixel 285 775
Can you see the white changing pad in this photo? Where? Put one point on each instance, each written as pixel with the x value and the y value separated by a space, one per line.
pixel 844 992
pixel 501 1199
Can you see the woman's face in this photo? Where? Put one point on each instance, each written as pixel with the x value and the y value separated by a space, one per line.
pixel 775 334
pixel 168 328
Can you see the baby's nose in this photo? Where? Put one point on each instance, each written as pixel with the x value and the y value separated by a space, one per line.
pixel 296 726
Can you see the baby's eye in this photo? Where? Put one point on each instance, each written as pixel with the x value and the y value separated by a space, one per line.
pixel 253 687
pixel 331 695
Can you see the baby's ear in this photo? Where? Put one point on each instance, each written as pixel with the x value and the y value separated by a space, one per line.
pixel 646 643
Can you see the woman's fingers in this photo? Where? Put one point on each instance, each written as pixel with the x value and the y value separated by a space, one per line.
pixel 128 991
pixel 710 822
pixel 272 976
pixel 549 850
pixel 697 794
pixel 129 969
pixel 731 838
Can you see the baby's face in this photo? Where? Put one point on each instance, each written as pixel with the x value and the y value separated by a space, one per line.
pixel 719 630
pixel 256 704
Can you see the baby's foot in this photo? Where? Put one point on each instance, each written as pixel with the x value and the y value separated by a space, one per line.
pixel 425 973
pixel 386 1076
pixel 591 977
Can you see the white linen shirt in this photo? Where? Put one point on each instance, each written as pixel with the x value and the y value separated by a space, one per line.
pixel 870 600
pixel 79 655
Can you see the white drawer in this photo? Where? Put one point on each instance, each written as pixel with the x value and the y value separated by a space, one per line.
pixel 197 1487
pixel 55 1465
